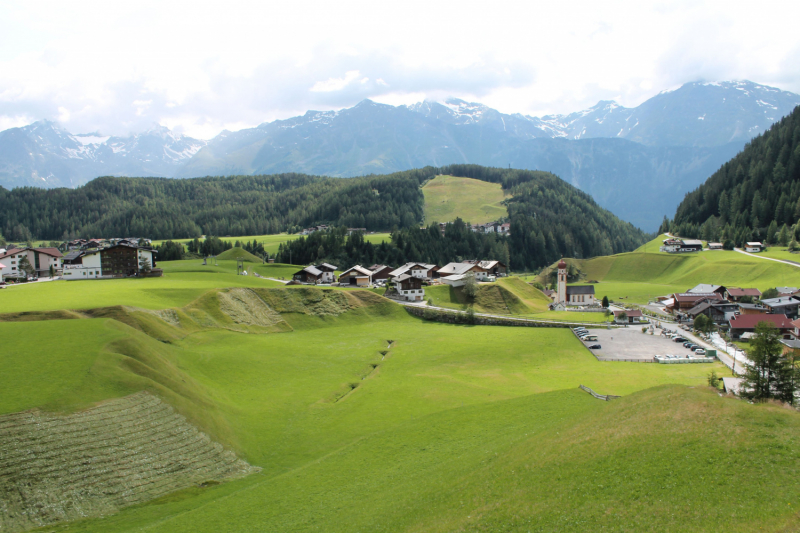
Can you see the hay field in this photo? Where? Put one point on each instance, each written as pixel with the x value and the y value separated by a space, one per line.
pixel 474 201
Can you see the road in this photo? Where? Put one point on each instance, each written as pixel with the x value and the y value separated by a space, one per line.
pixel 791 263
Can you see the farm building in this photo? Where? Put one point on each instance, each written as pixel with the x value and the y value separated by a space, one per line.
pixel 681 245
pixel 753 247
pixel 715 246
pixel 707 288
pixel 492 268
pixel 380 272
pixel 742 324
pixel 417 270
pixel 328 272
pixel 357 275
pixel 718 311
pixel 682 302
pixel 752 309
pixel 309 274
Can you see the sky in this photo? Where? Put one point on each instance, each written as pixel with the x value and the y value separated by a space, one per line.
pixel 201 67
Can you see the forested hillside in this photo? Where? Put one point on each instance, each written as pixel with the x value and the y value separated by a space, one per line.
pixel 549 217
pixel 754 196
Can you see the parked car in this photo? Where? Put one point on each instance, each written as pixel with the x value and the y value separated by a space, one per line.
pixel 687 344
pixel 679 339
pixel 578 330
pixel 594 347
pixel 699 351
pixel 589 338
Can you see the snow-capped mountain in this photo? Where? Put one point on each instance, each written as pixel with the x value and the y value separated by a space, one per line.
pixel 45 155
pixel 637 162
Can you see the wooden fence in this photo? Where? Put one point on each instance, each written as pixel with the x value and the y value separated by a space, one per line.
pixel 604 397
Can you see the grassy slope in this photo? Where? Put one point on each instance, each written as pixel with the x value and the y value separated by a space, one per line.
pixel 458 428
pixel 781 252
pixel 238 253
pixel 475 201
pixel 639 276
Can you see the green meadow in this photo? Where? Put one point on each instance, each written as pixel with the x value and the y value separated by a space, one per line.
pixel 781 252
pixel 474 201
pixel 364 418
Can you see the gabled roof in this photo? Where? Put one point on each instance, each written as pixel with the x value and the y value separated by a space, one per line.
pixel 750 321
pixel 796 323
pixel 457 268
pixel 791 343
pixel 311 269
pixel 705 288
pixel 357 269
pixel 737 293
pixel 752 306
pixel 53 252
pixel 754 244
pixel 73 255
pixel 326 267
pixel 580 289
pixel 786 290
pixel 692 242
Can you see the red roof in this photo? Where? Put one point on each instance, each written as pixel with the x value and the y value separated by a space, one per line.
pixel 750 321
pixel 47 251
pixel 744 292
pixel 562 264
pixel 796 323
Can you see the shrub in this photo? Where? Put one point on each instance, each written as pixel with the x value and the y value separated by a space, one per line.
pixel 714 380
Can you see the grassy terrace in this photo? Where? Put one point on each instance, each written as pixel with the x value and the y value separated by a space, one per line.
pixel 475 201
pixel 271 242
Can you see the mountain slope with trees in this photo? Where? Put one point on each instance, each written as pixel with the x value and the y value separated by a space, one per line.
pixel 549 217
pixel 754 196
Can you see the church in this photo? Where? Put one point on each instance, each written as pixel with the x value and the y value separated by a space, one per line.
pixel 571 295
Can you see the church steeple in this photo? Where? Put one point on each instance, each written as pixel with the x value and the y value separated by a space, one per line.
pixel 562 282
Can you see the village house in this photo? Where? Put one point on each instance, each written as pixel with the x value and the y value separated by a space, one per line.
pixel 753 247
pixel 310 274
pixel 715 246
pixel 417 270
pixel 682 302
pixel 492 268
pixel 380 272
pixel 735 294
pixel 752 309
pixel 706 288
pixel 718 311
pixel 454 269
pixel 357 276
pixel 786 291
pixel 631 316
pixel 791 347
pixel 743 324
pixel 681 245
pixel 116 261
pixel 328 273
pixel 784 305
pixel 40 259
pixel 409 288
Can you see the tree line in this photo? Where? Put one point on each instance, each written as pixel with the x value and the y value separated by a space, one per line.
pixel 753 197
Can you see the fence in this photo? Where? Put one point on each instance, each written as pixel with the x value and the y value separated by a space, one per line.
pixel 604 397
pixel 625 360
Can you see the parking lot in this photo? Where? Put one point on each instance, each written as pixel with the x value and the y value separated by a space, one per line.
pixel 631 344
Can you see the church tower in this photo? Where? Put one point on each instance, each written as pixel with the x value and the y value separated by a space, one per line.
pixel 562 283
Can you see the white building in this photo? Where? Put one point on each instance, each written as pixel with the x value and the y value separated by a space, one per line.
pixel 572 295
pixel 41 259
pixel 753 247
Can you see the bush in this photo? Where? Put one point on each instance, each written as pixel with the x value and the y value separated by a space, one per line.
pixel 470 315
pixel 430 314
pixel 538 285
pixel 714 380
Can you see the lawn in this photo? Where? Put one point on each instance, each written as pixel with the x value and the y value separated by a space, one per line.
pixel 474 201
pixel 454 428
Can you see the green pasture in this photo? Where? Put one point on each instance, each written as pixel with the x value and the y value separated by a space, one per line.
pixel 474 201
pixel 452 428
pixel 781 252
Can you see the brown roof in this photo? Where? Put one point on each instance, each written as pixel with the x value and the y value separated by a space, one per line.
pixel 694 296
pixel 750 321
pixel 47 251
pixel 744 292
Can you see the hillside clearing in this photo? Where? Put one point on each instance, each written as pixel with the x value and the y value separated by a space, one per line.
pixel 474 201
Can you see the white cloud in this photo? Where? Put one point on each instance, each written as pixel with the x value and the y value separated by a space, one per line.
pixel 336 84
pixel 205 67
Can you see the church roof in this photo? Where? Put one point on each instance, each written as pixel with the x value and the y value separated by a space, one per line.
pixel 580 289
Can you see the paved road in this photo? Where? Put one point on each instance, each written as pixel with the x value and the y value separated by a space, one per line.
pixel 791 263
